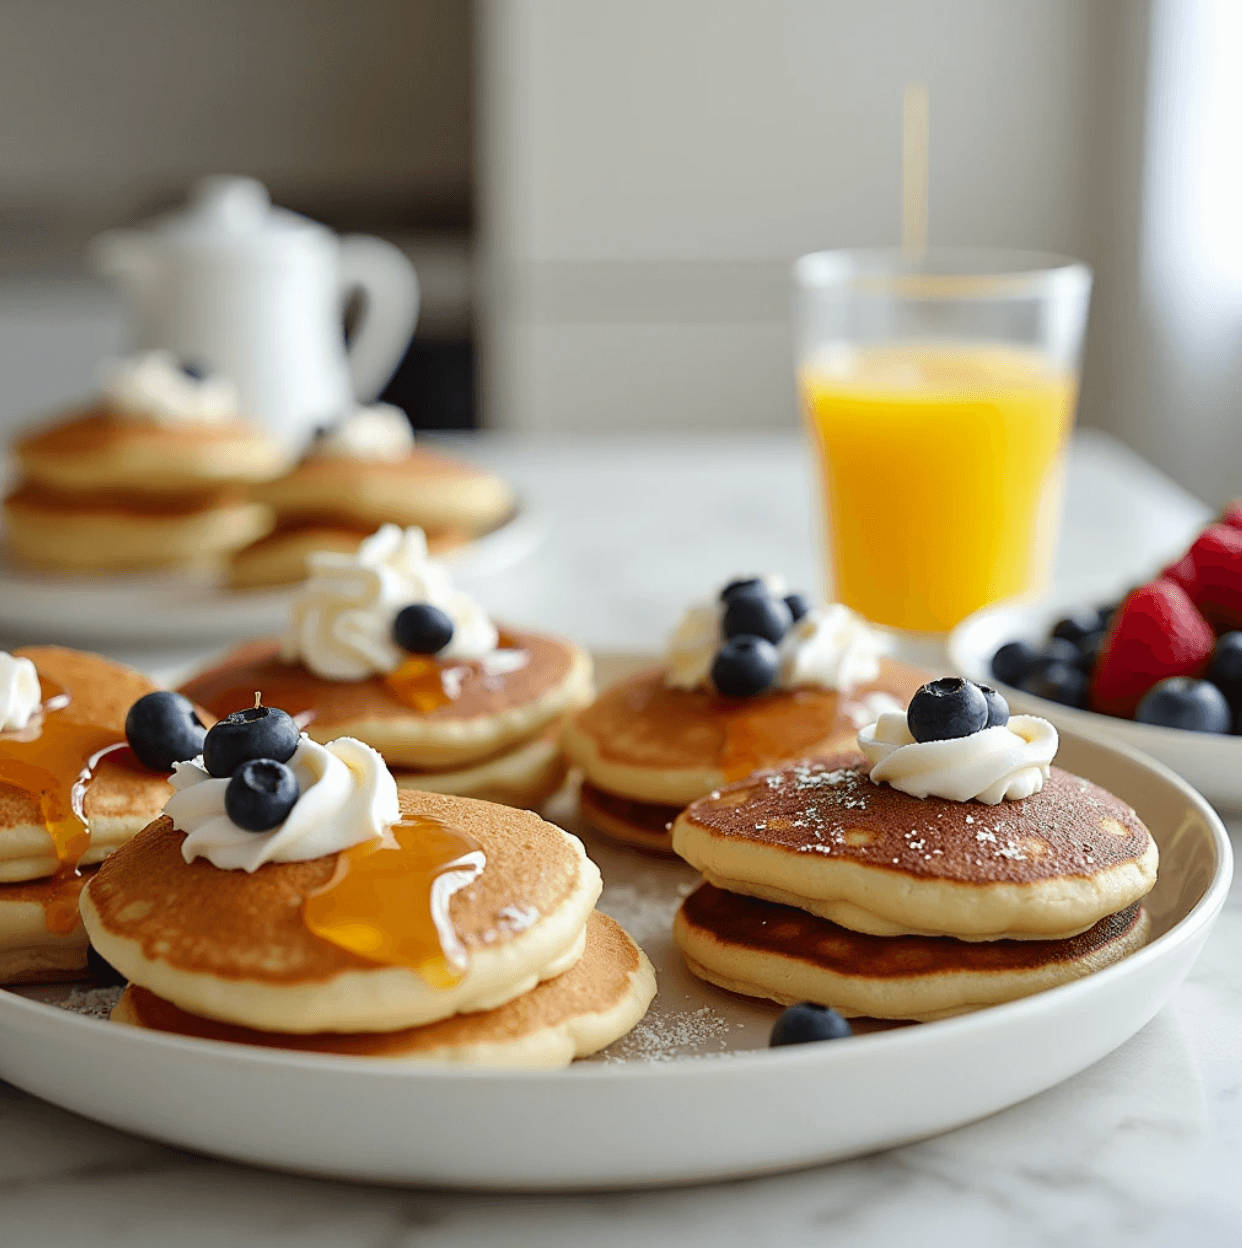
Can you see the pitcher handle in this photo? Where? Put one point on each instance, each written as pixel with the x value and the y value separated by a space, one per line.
pixel 390 291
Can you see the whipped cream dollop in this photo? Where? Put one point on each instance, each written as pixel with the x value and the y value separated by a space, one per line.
pixel 154 386
pixel 348 796
pixel 20 692
pixel 379 431
pixel 340 623
pixel 830 647
pixel 991 766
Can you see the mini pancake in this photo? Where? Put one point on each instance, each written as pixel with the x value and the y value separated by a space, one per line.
pixel 526 775
pixel 491 713
pixel 280 558
pixel 574 1015
pixel 819 835
pixel 110 533
pixel 644 825
pixel 122 797
pixel 41 934
pixel 103 450
pixel 427 489
pixel 761 949
pixel 234 947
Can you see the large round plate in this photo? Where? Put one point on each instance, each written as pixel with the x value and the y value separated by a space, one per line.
pixel 1212 763
pixel 187 608
pixel 692 1094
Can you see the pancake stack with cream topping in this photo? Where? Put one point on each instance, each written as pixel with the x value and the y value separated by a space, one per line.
pixel 152 475
pixel 291 896
pixel 71 792
pixel 753 677
pixel 945 867
pixel 363 472
pixel 381 646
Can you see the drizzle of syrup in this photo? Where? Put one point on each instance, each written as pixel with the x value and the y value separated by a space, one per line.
pixel 772 730
pixel 390 903
pixel 52 760
pixel 422 683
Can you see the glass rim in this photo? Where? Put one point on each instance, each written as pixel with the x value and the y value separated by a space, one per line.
pixel 938 273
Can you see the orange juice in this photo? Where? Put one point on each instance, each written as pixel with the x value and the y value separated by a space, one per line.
pixel 941 474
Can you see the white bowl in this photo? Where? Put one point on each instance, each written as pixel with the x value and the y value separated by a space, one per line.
pixel 648 1113
pixel 1209 761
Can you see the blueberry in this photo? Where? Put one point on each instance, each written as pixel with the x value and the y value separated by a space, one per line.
pixel 162 728
pixel 421 628
pixel 1104 616
pixel 194 370
pixel 1226 670
pixel 1012 661
pixel 1058 682
pixel 798 605
pixel 261 794
pixel 1179 702
pixel 755 615
pixel 998 708
pixel 1075 627
pixel 750 585
pixel 102 971
pixel 257 732
pixel 807 1023
pixel 744 667
pixel 947 708
pixel 1089 649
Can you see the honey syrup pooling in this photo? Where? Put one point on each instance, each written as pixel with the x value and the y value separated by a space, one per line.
pixel 52 761
pixel 390 903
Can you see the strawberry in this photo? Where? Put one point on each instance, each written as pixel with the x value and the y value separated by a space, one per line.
pixel 1217 556
pixel 1232 515
pixel 1183 573
pixel 1156 632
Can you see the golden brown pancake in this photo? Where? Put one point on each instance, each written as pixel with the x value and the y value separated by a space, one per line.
pixel 644 747
pixel 490 714
pixel 762 949
pixel 426 488
pixel 42 939
pixel 234 946
pixel 280 558
pixel 576 1014
pixel 103 450
pixel 818 834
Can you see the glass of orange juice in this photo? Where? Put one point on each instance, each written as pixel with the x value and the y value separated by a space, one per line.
pixel 939 392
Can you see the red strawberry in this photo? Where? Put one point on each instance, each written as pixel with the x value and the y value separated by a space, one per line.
pixel 1232 515
pixel 1183 573
pixel 1156 632
pixel 1217 556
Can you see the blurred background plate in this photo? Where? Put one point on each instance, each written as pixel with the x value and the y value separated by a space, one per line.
pixel 193 607
pixel 1212 763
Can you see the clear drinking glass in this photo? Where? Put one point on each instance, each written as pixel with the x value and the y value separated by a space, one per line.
pixel 939 392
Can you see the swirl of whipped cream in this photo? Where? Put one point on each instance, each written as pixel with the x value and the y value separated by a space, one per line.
pixel 340 623
pixel 348 796
pixel 995 765
pixel 20 692
pixel 380 432
pixel 153 385
pixel 829 648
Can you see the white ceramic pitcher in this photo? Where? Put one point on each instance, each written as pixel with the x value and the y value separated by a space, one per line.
pixel 259 294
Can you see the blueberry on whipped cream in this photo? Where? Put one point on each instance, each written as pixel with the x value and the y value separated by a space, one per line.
pixel 958 741
pixel 757 637
pixel 422 628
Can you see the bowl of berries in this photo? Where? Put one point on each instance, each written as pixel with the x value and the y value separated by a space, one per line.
pixel 1160 669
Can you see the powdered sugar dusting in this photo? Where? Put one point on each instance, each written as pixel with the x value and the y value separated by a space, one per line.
pixel 665 1037
pixel 92 1002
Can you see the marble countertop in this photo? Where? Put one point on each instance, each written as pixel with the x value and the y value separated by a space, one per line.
pixel 1141 1149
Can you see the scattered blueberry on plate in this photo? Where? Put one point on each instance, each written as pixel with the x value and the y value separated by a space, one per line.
pixel 808 1023
pixel 163 728
pixel 1180 702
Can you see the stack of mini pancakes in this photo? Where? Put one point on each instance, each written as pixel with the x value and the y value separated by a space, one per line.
pixel 152 475
pixel 231 955
pixel 824 886
pixel 363 472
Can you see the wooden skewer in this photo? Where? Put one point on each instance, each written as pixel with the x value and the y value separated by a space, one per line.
pixel 914 127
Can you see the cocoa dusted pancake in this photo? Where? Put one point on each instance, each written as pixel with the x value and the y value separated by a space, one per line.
pixel 819 835
pixel 656 746
pixel 578 1013
pixel 762 949
pixel 235 946
pixel 461 711
pixel 425 488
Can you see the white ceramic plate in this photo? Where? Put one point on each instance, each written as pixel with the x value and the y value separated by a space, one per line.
pixel 692 1094
pixel 1212 763
pixel 194 608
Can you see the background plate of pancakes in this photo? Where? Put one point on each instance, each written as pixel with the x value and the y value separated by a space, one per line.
pixel 1210 761
pixel 195 606
pixel 693 1093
